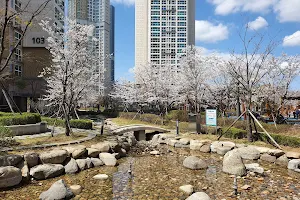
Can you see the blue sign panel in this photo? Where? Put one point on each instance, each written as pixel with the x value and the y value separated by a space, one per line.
pixel 211 117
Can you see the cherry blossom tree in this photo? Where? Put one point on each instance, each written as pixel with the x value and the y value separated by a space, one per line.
pixel 72 77
pixel 196 77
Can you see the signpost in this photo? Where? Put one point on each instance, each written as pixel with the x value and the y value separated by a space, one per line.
pixel 211 118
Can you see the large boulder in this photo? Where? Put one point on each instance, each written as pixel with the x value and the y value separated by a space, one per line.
pixel 282 160
pixel 10 160
pixel 254 167
pixel 32 159
pixel 45 171
pixel 268 158
pixel 97 162
pixel 187 189
pixel 172 142
pixel 222 150
pixel 261 149
pixel 94 153
pixel 54 157
pixel 292 155
pixel 10 176
pixel 193 162
pixel 101 146
pixel 233 163
pixel 294 164
pixel 249 153
pixel 79 153
pixel 195 145
pixel 275 152
pixel 58 191
pixel 184 141
pixel 108 159
pixel 214 145
pixel 199 196
pixel 82 165
pixel 205 148
pixel 71 167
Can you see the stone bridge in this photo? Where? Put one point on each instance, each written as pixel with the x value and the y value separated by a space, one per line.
pixel 139 131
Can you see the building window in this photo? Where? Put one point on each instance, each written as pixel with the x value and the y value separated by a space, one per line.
pixel 18 70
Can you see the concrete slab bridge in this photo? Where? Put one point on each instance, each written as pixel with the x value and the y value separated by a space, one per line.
pixel 139 131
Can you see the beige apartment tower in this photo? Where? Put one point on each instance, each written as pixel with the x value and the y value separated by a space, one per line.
pixel 163 29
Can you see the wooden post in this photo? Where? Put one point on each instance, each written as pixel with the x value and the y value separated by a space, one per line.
pixel 7 100
pixel 277 145
pixel 232 125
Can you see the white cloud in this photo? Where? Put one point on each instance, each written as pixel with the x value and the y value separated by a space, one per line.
pixel 210 33
pixel 292 40
pixel 125 2
pixel 225 7
pixel 288 10
pixel 257 24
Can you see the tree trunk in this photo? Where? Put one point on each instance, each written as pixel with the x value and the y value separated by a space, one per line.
pixel 249 127
pixel 67 131
pixel 198 123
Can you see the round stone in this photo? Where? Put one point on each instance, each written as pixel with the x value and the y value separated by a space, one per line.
pixel 76 189
pixel 101 177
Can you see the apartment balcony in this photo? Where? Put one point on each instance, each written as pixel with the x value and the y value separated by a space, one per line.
pixel 168 53
pixel 169 31
pixel 169 10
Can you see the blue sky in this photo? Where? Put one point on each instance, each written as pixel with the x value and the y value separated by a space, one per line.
pixel 217 25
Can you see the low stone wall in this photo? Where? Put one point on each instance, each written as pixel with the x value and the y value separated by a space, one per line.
pixel 28 129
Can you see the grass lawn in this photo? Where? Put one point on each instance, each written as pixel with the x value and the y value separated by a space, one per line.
pixel 48 139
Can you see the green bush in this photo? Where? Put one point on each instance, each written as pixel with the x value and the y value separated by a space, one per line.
pixel 110 113
pixel 282 139
pixel 234 133
pixel 5 132
pixel 74 123
pixel 81 123
pixel 181 115
pixel 8 119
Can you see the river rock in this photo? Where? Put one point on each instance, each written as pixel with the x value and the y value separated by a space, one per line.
pixel 294 164
pixel 115 147
pixel 154 152
pixel 193 162
pixel 79 153
pixel 222 150
pixel 97 162
pixel 100 177
pixel 58 191
pixel 172 142
pixel 261 149
pixel 216 144
pixel 198 196
pixel 249 153
pixel 54 157
pixel 195 145
pixel 94 153
pixel 233 163
pixel 205 148
pixel 254 167
pixel 282 160
pixel 45 171
pixel 101 146
pixel 25 172
pixel 71 167
pixel 10 176
pixel 76 189
pixel 184 141
pixel 188 189
pixel 268 158
pixel 10 160
pixel 71 149
pixel 82 165
pixel 32 159
pixel 292 155
pixel 108 159
pixel 89 163
pixel 276 152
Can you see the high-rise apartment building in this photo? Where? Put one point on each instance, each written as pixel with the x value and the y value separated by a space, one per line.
pixel 31 56
pixel 163 29
pixel 97 13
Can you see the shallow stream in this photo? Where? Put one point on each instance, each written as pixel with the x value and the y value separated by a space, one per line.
pixel 146 177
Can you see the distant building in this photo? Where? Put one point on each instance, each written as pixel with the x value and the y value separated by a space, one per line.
pixel 163 29
pixel 98 13
pixel 112 42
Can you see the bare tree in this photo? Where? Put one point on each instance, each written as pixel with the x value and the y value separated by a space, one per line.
pixel 249 66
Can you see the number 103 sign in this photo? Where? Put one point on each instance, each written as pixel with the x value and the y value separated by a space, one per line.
pixel 211 117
